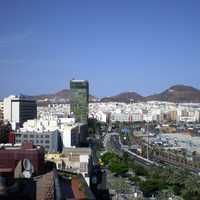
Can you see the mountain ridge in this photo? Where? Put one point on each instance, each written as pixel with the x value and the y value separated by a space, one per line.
pixel 126 97
pixel 62 96
pixel 176 93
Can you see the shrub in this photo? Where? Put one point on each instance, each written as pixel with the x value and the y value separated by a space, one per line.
pixel 118 168
pixel 109 157
pixel 149 187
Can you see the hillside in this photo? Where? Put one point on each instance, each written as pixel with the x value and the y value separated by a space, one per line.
pixel 62 96
pixel 178 94
pixel 126 97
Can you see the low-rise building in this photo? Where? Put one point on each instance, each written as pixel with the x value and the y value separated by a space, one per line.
pixel 78 160
pixel 50 140
pixel 11 155
pixel 53 133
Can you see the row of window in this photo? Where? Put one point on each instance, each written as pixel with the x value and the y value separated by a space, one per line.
pixel 36 136
pixel 36 142
pixel 83 166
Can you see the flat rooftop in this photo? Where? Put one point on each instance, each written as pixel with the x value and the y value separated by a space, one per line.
pixel 75 80
pixel 80 150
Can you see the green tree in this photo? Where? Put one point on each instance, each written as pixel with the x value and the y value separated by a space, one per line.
pixel 191 188
pixel 140 170
pixel 150 186
pixel 118 168
pixel 109 157
pixel 125 157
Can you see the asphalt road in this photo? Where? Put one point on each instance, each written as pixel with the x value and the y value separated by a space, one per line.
pixel 112 142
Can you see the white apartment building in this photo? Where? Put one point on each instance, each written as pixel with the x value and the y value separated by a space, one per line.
pixel 71 133
pixel 54 110
pixel 100 116
pixel 148 111
pixel 18 109
pixel 188 114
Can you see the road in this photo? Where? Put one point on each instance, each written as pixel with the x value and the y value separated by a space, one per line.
pixel 112 142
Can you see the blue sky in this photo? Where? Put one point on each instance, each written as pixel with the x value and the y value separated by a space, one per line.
pixel 118 45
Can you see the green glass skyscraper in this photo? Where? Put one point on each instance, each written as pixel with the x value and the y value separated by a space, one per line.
pixel 79 99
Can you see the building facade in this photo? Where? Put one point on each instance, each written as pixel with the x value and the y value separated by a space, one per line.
pixel 70 136
pixel 1 111
pixel 79 99
pixel 75 135
pixel 51 141
pixel 10 156
pixel 18 109
pixel 77 160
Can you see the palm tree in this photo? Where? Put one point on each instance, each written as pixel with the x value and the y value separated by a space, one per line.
pixel 192 185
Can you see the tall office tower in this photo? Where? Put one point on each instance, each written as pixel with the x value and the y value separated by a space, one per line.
pixel 18 109
pixel 79 99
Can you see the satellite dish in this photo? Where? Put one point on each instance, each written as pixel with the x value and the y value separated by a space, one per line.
pixel 28 168
pixel 27 164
